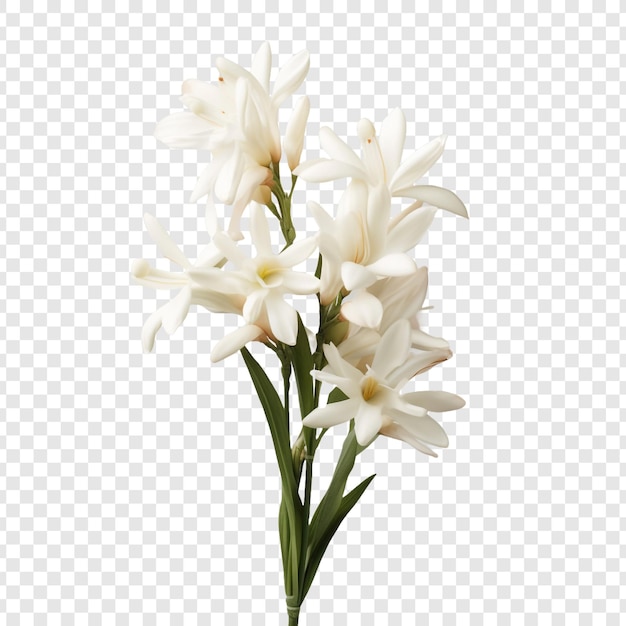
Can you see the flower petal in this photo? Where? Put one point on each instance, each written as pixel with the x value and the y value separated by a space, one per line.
pixel 332 414
pixel 229 178
pixel 290 77
pixel 230 249
pixel 417 164
pixel 321 216
pixel 323 170
pixel 423 341
pixel 340 366
pixel 348 386
pixel 363 309
pixel 175 312
pixel 426 429
pixel 398 264
pixel 262 65
pixel 393 348
pixel 164 241
pixel 254 305
pixel 299 283
pixel 372 157
pixel 251 180
pixel 184 130
pixel 356 276
pixel 298 252
pixel 391 141
pixel 234 341
pixel 435 196
pixel 434 400
pixel 395 431
pixel 283 319
pixel 338 149
pixel 220 281
pixel 367 422
pixel 260 230
pixel 407 233
pixel 417 364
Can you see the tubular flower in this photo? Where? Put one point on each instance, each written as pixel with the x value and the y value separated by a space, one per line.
pixel 261 283
pixel 237 120
pixel 374 399
pixel 380 163
pixel 171 315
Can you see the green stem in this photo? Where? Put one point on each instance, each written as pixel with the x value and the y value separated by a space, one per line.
pixel 294 616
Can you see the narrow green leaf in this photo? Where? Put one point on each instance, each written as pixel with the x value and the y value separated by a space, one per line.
pixel 302 366
pixel 274 413
pixel 329 504
pixel 318 550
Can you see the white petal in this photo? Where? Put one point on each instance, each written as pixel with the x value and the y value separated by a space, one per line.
pixel 378 210
pixel 206 181
pixel 426 429
pixel 217 302
pixel 210 216
pixel 417 164
pixel 254 305
pixel 340 366
pixel 348 386
pixel 298 252
pixel 423 341
pixel 184 130
pixel 175 312
pixel 356 276
pixel 362 343
pixel 372 157
pixel 229 178
pixel 391 141
pixel 393 265
pixel 260 230
pixel 435 400
pixel 417 364
pixel 220 281
pixel 321 216
pixel 435 196
pixel 363 309
pixel 396 431
pixel 338 149
pixel 294 135
pixel 150 329
pixel 323 170
pixel 290 77
pixel 367 423
pixel 393 348
pixel 262 65
pixel 299 283
pixel 251 180
pixel 407 233
pixel 332 414
pixel 164 242
pixel 283 320
pixel 230 71
pixel 235 341
pixel 230 249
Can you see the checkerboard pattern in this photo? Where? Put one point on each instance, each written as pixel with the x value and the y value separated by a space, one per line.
pixel 141 489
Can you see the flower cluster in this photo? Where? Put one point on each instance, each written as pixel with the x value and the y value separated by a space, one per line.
pixel 370 289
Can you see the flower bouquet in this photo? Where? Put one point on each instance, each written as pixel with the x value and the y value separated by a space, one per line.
pixel 368 343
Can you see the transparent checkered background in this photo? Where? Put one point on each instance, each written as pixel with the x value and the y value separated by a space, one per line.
pixel 141 489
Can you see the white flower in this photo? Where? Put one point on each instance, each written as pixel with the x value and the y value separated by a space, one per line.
pixel 262 283
pixel 237 120
pixel 171 315
pixel 374 400
pixel 380 163
pixel 402 298
pixel 361 246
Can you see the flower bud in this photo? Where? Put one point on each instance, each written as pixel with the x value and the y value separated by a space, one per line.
pixel 294 137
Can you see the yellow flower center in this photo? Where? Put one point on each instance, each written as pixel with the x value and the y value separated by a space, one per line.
pixel 369 388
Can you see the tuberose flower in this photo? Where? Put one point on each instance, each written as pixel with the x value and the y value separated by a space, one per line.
pixel 237 120
pixel 374 398
pixel 380 163
pixel 172 314
pixel 261 282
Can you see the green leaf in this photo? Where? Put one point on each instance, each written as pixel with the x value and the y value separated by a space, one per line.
pixel 302 366
pixel 329 504
pixel 275 414
pixel 318 550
